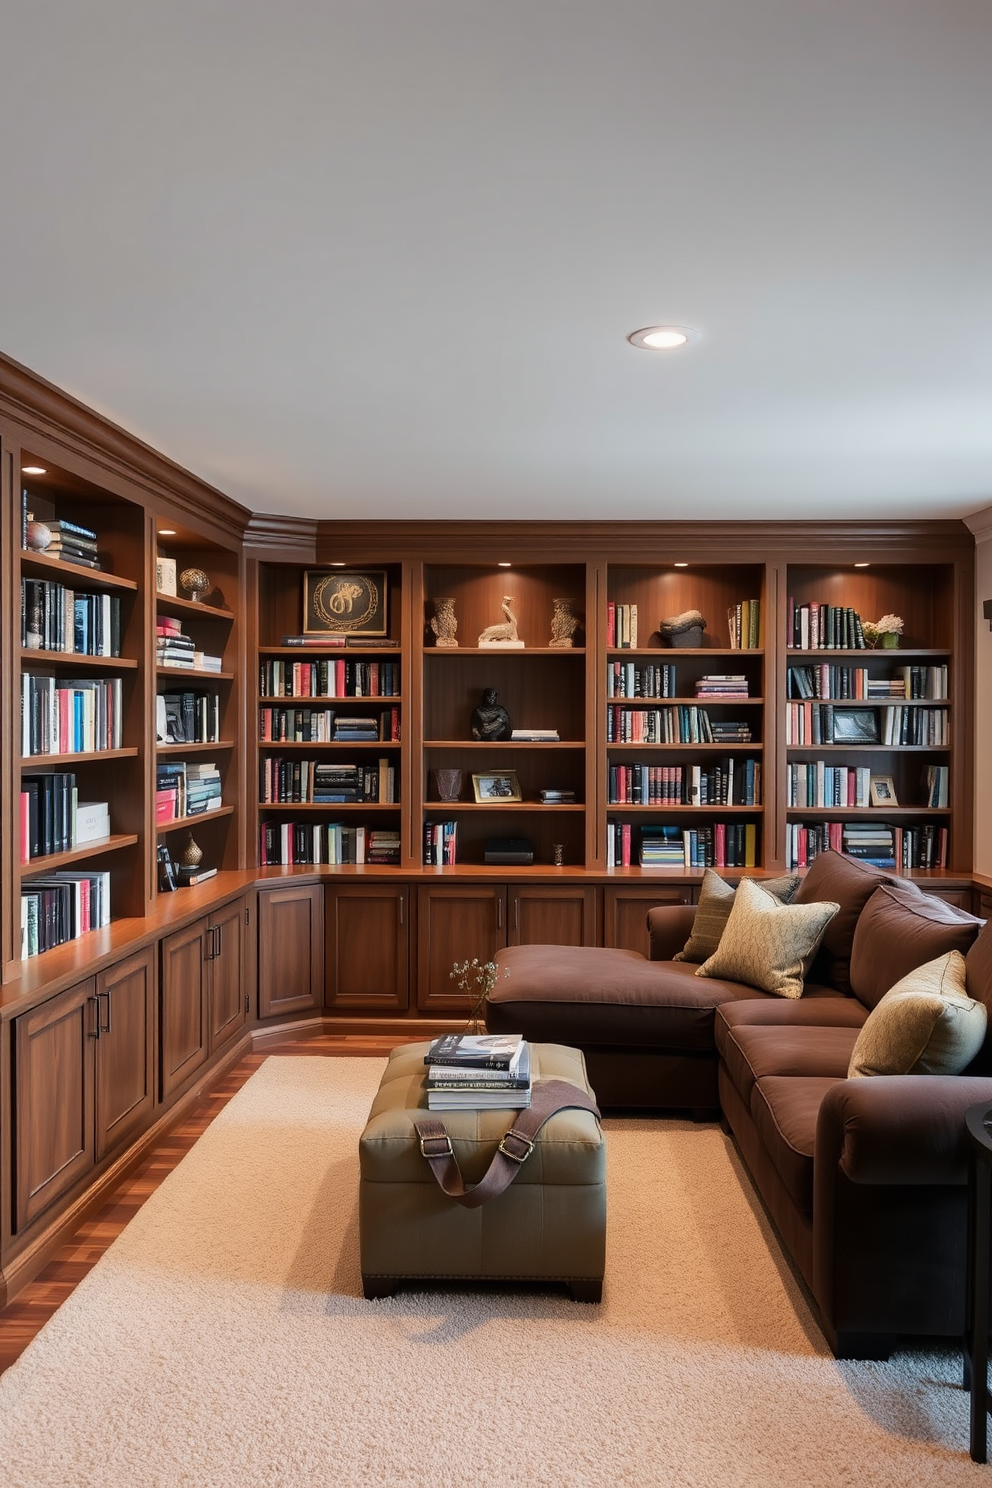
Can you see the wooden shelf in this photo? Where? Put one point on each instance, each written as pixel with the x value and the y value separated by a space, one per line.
pixel 74 575
pixel 163 672
pixel 34 761
pixel 162 828
pixel 683 808
pixel 347 745
pixel 96 848
pixel 66 659
pixel 328 807
pixel 317 699
pixel 200 748
pixel 174 604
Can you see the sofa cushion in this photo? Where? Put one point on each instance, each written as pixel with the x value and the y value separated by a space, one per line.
pixel 925 1025
pixel 600 997
pixel 785 1109
pixel 752 1052
pixel 716 900
pixel 850 884
pixel 900 929
pixel 978 976
pixel 767 944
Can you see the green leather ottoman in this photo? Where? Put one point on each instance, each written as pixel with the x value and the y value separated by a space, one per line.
pixel 549 1225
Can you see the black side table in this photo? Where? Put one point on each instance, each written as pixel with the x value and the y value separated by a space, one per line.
pixel 976 1344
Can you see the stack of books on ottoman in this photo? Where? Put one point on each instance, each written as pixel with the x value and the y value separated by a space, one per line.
pixel 486 1071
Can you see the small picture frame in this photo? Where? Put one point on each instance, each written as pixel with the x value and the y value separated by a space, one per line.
pixel 883 791
pixel 496 787
pixel 855 726
pixel 339 601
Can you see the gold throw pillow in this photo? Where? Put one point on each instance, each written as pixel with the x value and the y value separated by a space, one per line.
pixel 767 944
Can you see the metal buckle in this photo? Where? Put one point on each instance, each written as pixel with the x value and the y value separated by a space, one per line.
pixel 442 1150
pixel 526 1143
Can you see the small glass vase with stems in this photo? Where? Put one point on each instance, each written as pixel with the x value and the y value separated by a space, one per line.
pixel 476 979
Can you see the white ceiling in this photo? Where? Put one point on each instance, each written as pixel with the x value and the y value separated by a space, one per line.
pixel 380 258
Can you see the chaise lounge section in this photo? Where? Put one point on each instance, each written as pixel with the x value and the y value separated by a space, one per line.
pixel 864 1178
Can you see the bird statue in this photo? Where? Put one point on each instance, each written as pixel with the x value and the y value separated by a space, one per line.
pixel 506 630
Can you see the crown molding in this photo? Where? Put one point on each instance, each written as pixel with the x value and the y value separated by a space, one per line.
pixel 39 408
pixel 284 537
pixel 980 524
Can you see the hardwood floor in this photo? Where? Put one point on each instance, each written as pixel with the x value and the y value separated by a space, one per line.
pixel 31 1308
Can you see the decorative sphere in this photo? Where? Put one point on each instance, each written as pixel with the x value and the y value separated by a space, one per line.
pixel 195 582
pixel 37 536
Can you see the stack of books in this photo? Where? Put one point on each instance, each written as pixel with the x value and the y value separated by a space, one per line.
pixel 555 797
pixel 534 736
pixel 356 728
pixel 722 685
pixel 73 543
pixel 486 1071
pixel 172 648
pixel 203 788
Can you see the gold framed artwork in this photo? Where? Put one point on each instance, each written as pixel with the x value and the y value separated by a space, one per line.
pixel 497 787
pixel 883 791
pixel 339 601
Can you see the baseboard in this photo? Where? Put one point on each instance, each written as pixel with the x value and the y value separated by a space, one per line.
pixel 25 1265
pixel 327 1026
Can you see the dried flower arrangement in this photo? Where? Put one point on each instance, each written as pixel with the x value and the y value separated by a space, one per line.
pixel 477 979
pixel 875 631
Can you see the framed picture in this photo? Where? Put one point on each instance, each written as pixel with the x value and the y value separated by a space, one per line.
pixel 499 786
pixel 340 602
pixel 883 791
pixel 855 726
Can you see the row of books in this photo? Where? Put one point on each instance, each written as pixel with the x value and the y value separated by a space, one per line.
pixel 885 846
pixel 184 788
pixel 57 618
pixel 54 820
pixel 744 623
pixel 722 685
pixel 332 677
pixel 327 640
pixel 816 783
pixel 325 783
pixel 629 679
pixel 621 625
pixel 440 844
pixel 187 717
pixel 827 680
pixel 886 724
pixel 729 783
pixel 325 842
pixel 478 1072
pixel 716 845
pixel 70 716
pixel 325 726
pixel 60 907
pixel 817 626
pixel 679 723
pixel 173 648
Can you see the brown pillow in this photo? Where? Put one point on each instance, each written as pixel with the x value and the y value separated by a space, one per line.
pixel 716 900
pixel 925 1025
pixel 767 944
pixel 850 883
pixel 978 966
pixel 899 930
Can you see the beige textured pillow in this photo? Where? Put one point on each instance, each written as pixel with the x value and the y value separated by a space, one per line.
pixel 716 900
pixel 767 944
pixel 925 1025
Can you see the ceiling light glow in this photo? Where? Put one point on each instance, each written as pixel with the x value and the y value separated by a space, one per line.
pixel 663 337
pixel 680 565
pixel 33 470
pixel 503 565
pixel 167 532
pixel 862 565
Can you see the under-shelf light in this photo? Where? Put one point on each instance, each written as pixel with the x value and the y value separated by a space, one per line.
pixel 862 565
pixel 34 470
pixel 504 565
pixel 663 337
pixel 680 565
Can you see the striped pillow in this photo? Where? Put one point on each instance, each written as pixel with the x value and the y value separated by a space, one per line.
pixel 716 900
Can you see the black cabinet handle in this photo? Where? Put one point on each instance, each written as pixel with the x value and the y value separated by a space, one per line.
pixel 94 1031
pixel 102 1027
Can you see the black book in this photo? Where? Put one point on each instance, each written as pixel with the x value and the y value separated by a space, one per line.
pixel 481 1050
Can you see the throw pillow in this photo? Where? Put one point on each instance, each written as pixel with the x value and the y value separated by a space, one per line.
pixel 836 876
pixel 716 900
pixel 925 1025
pixel 766 944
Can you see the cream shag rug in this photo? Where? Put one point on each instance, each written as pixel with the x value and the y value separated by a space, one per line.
pixel 223 1339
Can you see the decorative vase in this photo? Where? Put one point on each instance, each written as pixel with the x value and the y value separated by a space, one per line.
pixel 564 622
pixel 192 854
pixel 890 641
pixel 448 784
pixel 444 622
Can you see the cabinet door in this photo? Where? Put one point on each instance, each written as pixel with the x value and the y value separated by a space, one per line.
pixel 368 946
pixel 455 924
pixel 226 949
pixel 185 1033
pixel 546 915
pixel 54 1099
pixel 290 949
pixel 960 898
pixel 125 1050
pixel 625 912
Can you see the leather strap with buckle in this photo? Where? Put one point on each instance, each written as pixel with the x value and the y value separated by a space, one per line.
pixel 515 1146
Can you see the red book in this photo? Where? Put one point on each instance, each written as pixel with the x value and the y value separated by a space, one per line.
pixel 625 845
pixel 719 845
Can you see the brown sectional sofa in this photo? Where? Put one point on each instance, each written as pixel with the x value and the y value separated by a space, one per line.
pixel 865 1179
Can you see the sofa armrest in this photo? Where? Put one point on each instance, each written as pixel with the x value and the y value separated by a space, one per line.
pixel 899 1129
pixel 669 926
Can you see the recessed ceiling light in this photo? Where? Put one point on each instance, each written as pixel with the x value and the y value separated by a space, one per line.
pixel 680 565
pixel 862 565
pixel 663 337
pixel 167 532
pixel 338 563
pixel 33 470
pixel 504 565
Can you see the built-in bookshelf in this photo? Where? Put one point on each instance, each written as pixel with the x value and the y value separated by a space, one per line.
pixel 328 720
pixel 869 729
pixel 685 716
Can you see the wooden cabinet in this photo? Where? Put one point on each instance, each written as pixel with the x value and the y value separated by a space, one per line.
pixel 625 911
pixel 455 923
pixel 84 1081
pixel 368 946
pixel 552 914
pixel 290 949
pixel 204 969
